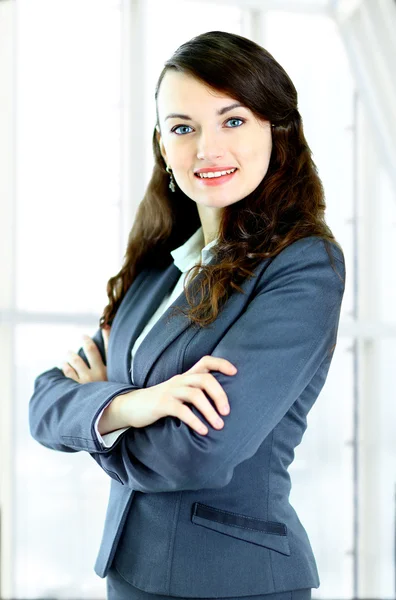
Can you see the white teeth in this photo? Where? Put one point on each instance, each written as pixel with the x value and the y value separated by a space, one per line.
pixel 215 174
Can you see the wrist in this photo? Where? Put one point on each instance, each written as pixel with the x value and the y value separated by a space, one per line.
pixel 114 416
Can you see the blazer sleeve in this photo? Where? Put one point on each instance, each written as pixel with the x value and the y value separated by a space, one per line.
pixel 277 344
pixel 63 412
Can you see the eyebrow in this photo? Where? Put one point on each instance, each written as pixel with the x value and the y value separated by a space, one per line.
pixel 220 112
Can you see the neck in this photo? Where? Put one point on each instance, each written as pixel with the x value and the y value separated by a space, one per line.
pixel 210 220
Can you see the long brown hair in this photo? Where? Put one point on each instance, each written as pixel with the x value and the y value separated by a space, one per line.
pixel 287 205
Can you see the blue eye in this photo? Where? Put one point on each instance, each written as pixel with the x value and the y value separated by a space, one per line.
pixel 235 119
pixel 180 127
pixel 174 129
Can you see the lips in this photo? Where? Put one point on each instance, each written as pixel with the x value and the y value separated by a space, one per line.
pixel 203 171
pixel 218 181
pixel 213 170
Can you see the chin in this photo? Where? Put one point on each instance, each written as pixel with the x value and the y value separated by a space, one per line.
pixel 219 203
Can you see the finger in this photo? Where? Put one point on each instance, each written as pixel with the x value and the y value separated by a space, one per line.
pixel 213 363
pixel 68 371
pixel 208 383
pixel 92 353
pixel 203 404
pixel 197 397
pixel 186 415
pixel 77 363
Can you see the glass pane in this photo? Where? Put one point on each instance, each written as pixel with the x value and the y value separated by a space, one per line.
pixel 325 89
pixel 386 202
pixel 322 476
pixel 377 491
pixel 68 153
pixel 60 498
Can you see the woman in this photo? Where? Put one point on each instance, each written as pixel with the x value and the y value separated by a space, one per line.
pixel 234 212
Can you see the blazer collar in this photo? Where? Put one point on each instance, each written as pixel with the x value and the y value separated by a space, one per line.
pixel 138 305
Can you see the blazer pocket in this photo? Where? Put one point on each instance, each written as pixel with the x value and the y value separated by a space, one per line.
pixel 269 534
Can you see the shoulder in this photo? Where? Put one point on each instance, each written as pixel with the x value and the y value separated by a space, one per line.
pixel 311 257
pixel 310 246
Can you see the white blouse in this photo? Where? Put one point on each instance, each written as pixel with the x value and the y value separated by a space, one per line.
pixel 184 257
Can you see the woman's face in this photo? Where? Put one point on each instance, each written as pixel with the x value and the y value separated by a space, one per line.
pixel 207 134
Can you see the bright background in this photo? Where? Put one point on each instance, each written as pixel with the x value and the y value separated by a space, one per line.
pixel 77 113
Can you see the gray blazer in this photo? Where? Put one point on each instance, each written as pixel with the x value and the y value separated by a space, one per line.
pixel 193 515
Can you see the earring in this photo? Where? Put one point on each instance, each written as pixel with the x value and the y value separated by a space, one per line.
pixel 172 181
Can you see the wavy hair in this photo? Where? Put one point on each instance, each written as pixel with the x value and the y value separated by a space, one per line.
pixel 287 205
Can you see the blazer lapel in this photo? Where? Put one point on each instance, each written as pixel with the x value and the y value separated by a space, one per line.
pixel 138 305
pixel 160 336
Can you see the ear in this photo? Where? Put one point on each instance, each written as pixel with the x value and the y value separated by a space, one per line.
pixel 160 143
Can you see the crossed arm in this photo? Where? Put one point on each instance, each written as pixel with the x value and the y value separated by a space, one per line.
pixel 278 344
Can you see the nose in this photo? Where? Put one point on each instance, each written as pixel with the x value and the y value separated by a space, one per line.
pixel 209 147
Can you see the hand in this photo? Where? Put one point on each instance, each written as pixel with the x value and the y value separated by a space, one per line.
pixel 168 398
pixel 76 368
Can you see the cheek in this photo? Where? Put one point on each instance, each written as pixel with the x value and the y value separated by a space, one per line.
pixel 261 151
pixel 254 157
pixel 179 152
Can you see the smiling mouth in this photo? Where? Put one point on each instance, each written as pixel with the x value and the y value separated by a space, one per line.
pixel 215 174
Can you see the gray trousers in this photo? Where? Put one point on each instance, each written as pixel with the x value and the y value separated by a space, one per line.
pixel 119 589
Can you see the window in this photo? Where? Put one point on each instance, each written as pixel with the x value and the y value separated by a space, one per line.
pixel 67 228
pixel 78 164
